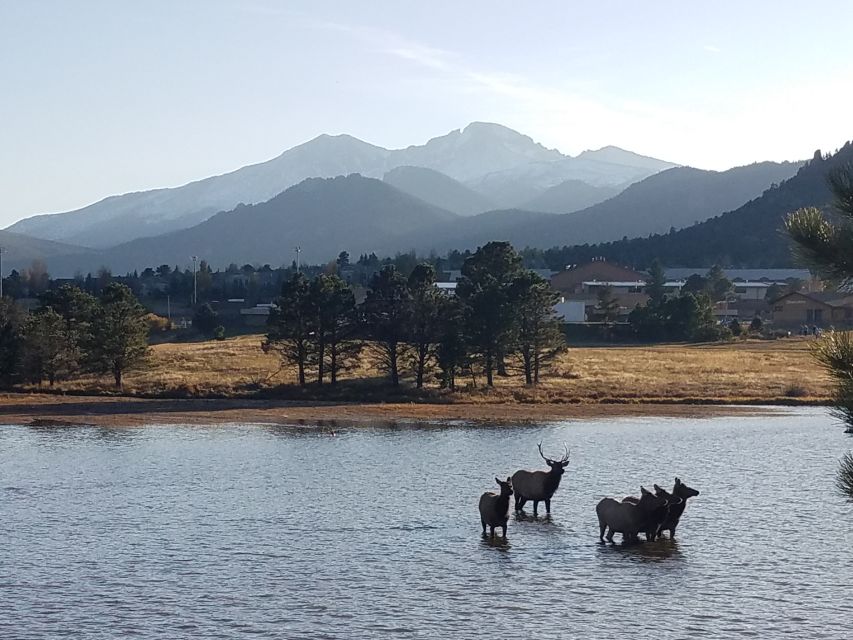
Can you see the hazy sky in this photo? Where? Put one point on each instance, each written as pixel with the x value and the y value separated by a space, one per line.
pixel 100 98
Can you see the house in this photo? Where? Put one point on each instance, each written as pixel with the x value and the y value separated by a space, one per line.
pixel 256 316
pixel 572 278
pixel 813 309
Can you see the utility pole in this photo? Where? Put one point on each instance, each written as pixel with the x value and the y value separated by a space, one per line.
pixel 195 281
pixel 2 251
pixel 298 251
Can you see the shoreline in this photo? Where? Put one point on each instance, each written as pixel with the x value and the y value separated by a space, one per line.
pixel 39 409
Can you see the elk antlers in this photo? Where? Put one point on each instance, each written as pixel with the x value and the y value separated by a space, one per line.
pixel 564 459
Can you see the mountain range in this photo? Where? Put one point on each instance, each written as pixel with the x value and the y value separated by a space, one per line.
pixel 407 207
pixel 499 163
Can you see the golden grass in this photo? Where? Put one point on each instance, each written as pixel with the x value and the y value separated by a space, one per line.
pixel 742 371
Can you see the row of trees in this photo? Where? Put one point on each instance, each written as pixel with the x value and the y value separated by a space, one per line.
pixel 501 317
pixel 686 316
pixel 72 332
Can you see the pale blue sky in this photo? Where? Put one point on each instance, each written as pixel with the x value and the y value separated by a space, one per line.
pixel 100 98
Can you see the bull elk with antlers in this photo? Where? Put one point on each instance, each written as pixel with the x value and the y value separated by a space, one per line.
pixel 539 485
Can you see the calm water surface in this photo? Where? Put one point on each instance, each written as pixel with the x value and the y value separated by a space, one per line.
pixel 273 532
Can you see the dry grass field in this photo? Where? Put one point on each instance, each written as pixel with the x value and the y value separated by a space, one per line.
pixel 738 372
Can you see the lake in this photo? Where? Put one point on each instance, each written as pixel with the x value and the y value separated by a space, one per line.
pixel 373 532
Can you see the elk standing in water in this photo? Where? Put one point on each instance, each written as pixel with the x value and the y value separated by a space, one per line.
pixel 680 490
pixel 539 485
pixel 627 517
pixel 494 509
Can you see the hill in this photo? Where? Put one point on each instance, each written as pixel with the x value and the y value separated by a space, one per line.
pixel 323 216
pixel 438 189
pixel 19 250
pixel 569 196
pixel 676 197
pixel 749 236
pixel 470 154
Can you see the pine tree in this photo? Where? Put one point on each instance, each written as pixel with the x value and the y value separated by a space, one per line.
pixel 539 338
pixel 386 311
pixel 486 290
pixel 49 349
pixel 120 332
pixel 335 343
pixel 291 324
pixel 424 319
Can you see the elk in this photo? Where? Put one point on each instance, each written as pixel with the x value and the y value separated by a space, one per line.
pixel 494 509
pixel 539 485
pixel 627 517
pixel 680 490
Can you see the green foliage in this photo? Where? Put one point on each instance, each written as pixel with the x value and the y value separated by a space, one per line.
pixel 291 324
pixel 205 320
pixel 844 480
pixel 386 312
pixel 538 339
pixel 423 330
pixel 735 328
pixel 336 325
pixel 219 332
pixel 655 283
pixel 50 349
pixel 120 332
pixel 683 317
pixel 486 290
pixel 607 306
pixel 717 286
pixel 755 325
pixel 11 319
pixel 451 350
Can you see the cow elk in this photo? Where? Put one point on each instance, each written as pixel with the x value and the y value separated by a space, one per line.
pixel 675 511
pixel 539 486
pixel 494 509
pixel 628 517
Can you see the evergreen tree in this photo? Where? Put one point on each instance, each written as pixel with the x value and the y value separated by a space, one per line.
pixel 386 311
pixel 539 337
pixel 655 284
pixel 11 319
pixel 424 318
pixel 486 289
pixel 291 324
pixel 49 350
pixel 120 332
pixel 205 319
pixel 717 285
pixel 451 350
pixel 335 344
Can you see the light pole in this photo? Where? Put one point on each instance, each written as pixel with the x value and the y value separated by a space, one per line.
pixel 298 251
pixel 195 281
pixel 2 251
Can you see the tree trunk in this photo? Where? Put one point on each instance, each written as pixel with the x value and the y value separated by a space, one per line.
pixel 422 356
pixel 489 369
pixel 117 375
pixel 501 363
pixel 392 353
pixel 321 361
pixel 526 356
pixel 333 362
pixel 536 367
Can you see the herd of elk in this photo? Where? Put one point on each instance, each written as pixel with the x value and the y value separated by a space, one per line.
pixel 651 514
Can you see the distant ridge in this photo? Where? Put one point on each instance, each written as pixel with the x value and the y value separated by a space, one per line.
pixel 491 159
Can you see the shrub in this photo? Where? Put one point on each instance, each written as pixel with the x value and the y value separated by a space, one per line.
pixel 795 390
pixel 219 332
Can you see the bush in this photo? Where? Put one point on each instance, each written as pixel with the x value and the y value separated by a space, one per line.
pixel 219 332
pixel 157 324
pixel 711 333
pixel 755 325
pixel 795 390
pixel 735 328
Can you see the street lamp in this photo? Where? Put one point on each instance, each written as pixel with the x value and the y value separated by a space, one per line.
pixel 195 281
